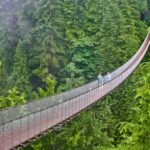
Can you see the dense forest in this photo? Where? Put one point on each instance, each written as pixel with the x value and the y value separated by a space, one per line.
pixel 50 46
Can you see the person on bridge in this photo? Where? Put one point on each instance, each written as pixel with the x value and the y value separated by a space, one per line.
pixel 108 76
pixel 100 79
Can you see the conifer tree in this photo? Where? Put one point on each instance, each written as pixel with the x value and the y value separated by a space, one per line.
pixel 20 74
pixel 3 78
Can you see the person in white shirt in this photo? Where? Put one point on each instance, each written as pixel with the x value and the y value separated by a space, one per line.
pixel 108 77
pixel 100 79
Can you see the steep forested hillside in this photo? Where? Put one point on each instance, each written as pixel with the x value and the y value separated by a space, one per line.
pixel 49 46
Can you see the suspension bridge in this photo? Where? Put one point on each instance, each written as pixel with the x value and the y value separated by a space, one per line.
pixel 22 123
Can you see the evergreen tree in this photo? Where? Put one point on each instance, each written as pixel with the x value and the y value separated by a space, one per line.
pixel 3 79
pixel 20 74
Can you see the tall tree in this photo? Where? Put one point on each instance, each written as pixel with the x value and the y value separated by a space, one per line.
pixel 3 78
pixel 20 74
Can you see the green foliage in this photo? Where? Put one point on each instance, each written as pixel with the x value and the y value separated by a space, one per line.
pixel 74 80
pixel 136 133
pixel 53 37
pixel 2 79
pixel 20 73
pixel 13 98
pixel 88 35
pixel 48 89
